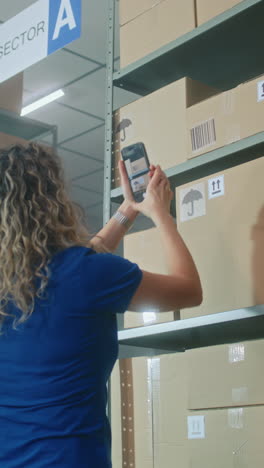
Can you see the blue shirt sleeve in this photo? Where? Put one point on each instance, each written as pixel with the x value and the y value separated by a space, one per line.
pixel 110 281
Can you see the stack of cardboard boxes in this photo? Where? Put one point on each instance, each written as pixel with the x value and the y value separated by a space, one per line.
pixel 200 409
pixel 203 408
pixel 147 25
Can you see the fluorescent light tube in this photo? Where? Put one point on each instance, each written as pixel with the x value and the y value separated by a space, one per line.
pixel 42 102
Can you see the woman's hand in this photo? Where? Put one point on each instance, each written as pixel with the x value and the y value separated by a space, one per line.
pixel 127 192
pixel 158 195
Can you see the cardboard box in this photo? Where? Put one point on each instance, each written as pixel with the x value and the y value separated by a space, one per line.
pixel 128 10
pixel 228 438
pixel 154 27
pixel 8 140
pixel 221 219
pixel 224 118
pixel 157 389
pixel 159 121
pixel 164 433
pixel 139 248
pixel 207 9
pixel 226 376
pixel 11 94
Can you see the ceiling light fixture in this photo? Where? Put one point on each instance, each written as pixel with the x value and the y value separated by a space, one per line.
pixel 42 102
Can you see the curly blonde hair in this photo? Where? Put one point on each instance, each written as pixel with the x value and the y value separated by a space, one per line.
pixel 37 220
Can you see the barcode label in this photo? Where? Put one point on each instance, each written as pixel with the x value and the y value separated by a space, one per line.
pixel 203 135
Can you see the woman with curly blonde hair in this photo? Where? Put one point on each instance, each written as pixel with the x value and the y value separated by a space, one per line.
pixel 60 291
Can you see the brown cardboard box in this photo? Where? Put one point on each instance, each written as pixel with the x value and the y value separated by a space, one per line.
pixel 227 438
pixel 11 94
pixel 224 118
pixel 8 140
pixel 233 438
pixel 165 434
pixel 225 235
pixel 160 389
pixel 159 121
pixel 154 28
pixel 128 10
pixel 207 9
pixel 226 376
pixel 145 249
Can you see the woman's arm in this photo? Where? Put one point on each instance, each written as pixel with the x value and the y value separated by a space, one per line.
pixel 107 240
pixel 111 234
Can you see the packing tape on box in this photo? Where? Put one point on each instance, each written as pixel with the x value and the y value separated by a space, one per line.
pixel 127 412
pixel 236 353
pixel 240 395
pixel 229 102
pixel 155 379
pixel 236 422
pixel 233 133
pixel 235 418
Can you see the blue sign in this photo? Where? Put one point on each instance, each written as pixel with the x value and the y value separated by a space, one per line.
pixel 38 31
pixel 64 23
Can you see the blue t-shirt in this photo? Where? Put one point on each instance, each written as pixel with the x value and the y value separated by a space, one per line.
pixel 54 369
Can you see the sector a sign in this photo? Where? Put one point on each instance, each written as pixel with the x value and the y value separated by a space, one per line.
pixel 43 28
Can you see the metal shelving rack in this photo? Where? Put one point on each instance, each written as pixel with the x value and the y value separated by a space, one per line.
pixel 223 53
pixel 23 127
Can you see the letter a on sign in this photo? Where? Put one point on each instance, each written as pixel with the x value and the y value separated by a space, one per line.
pixel 65 17
pixel 64 23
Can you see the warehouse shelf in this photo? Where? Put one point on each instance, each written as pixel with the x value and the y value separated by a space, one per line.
pixel 226 327
pixel 223 52
pixel 218 160
pixel 23 127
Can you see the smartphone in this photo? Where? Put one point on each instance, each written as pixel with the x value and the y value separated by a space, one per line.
pixel 137 165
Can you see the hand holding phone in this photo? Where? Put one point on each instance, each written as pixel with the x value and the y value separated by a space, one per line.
pixel 137 166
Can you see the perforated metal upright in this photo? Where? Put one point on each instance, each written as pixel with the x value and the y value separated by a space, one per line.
pixel 109 110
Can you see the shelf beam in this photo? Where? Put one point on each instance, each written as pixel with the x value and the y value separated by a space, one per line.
pixel 223 52
pixel 23 127
pixel 209 330
pixel 240 152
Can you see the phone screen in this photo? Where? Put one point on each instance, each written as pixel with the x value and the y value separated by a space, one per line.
pixel 137 166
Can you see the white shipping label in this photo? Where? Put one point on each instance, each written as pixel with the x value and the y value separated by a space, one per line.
pixel 196 427
pixel 216 187
pixel 192 202
pixel 260 91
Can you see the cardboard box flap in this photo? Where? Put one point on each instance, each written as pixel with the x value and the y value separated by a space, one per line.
pixel 131 9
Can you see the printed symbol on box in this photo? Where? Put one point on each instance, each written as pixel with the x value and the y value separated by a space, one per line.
pixel 260 91
pixel 216 187
pixel 125 123
pixel 190 198
pixel 192 202
pixel 196 427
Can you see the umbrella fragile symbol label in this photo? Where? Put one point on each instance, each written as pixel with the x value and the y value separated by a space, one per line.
pixel 122 128
pixel 192 202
